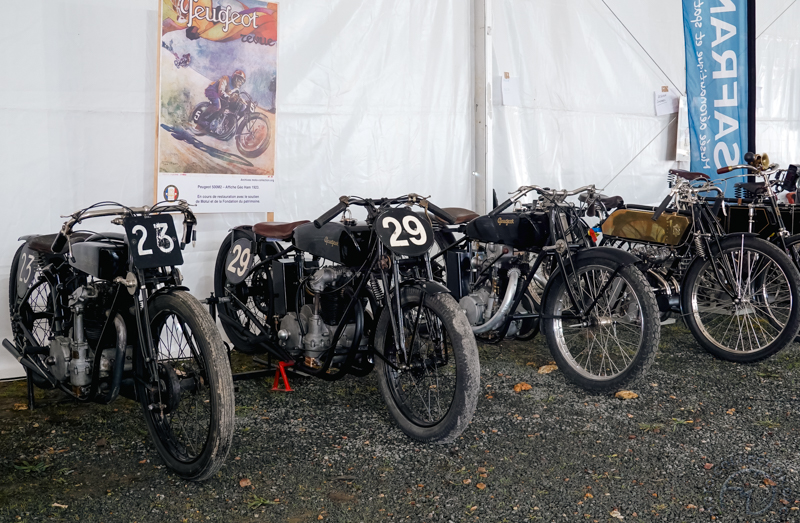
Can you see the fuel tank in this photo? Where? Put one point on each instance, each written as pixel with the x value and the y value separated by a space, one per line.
pixel 518 230
pixel 638 225
pixel 348 245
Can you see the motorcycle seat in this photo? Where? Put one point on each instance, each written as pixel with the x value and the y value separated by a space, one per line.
pixel 757 188
pixel 460 214
pixel 688 175
pixel 44 242
pixel 277 230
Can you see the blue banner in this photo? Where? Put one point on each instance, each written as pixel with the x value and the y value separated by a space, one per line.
pixel 716 83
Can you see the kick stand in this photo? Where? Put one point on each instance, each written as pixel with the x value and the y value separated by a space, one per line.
pixel 31 402
pixel 280 373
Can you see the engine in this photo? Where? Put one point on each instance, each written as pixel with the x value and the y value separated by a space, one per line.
pixel 309 333
pixel 94 334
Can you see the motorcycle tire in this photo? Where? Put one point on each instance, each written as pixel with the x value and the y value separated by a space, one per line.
pixel 765 321
pixel 37 317
pixel 254 292
pixel 195 115
pixel 793 246
pixel 443 357
pixel 624 326
pixel 247 128
pixel 193 430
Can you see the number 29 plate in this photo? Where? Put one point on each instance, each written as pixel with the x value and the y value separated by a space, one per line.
pixel 153 241
pixel 404 232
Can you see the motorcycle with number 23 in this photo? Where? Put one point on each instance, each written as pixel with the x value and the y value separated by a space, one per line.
pixel 344 297
pixel 99 315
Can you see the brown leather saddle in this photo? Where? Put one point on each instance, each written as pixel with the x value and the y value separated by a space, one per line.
pixel 757 188
pixel 277 230
pixel 460 215
pixel 689 175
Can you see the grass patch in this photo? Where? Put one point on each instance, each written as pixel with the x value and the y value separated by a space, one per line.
pixel 651 427
pixel 768 423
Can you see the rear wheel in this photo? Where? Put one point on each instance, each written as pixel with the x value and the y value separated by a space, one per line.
pixel 253 135
pixel 761 318
pixel 190 414
pixel 616 342
pixel 431 390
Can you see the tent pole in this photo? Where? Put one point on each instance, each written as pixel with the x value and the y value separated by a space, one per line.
pixel 752 76
pixel 482 52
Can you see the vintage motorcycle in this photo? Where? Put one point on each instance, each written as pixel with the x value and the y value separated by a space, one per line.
pixel 239 117
pixel 513 270
pixel 102 314
pixel 346 296
pixel 737 293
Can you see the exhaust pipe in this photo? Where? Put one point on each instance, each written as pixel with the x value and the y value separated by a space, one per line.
pixel 25 362
pixel 496 320
pixel 119 361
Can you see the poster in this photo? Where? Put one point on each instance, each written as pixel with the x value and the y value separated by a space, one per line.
pixel 217 77
pixel 717 89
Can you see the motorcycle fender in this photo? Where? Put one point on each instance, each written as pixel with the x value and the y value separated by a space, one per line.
pixel 26 237
pixel 603 253
pixel 167 290
pixel 248 229
pixel 427 286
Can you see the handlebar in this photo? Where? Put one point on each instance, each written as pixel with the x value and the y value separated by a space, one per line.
pixel 525 189
pixel 332 213
pixel 441 213
pixel 663 207
pixel 724 170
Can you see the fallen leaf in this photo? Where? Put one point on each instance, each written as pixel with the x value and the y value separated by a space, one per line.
pixel 467 481
pixel 519 387
pixel 708 466
pixel 474 508
pixel 730 411
pixel 547 369
pixel 481 470
pixel 615 514
pixel 59 505
pixel 481 486
pixel 769 482
pixel 690 506
pixel 588 495
pixel 143 461
pixel 101 442
pixel 626 395
pixel 20 406
pixel 244 482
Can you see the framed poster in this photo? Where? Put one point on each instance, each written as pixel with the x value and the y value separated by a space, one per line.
pixel 217 73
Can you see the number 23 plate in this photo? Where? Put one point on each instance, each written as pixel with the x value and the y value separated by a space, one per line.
pixel 153 241
pixel 404 232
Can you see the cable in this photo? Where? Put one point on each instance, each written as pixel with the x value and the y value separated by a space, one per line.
pixel 773 22
pixel 639 153
pixel 645 50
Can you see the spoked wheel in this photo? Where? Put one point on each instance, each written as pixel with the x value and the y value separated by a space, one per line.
pixel 616 342
pixel 190 415
pixel 761 317
pixel 36 313
pixel 197 113
pixel 254 293
pixel 253 135
pixel 431 390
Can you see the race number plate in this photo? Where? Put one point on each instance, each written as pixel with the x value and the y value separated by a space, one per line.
pixel 404 232
pixel 239 261
pixel 26 271
pixel 153 241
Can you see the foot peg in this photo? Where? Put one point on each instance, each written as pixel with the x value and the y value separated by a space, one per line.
pixel 280 372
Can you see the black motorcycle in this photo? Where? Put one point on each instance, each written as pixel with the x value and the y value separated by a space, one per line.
pixel 513 270
pixel 345 297
pixel 239 116
pixel 99 315
pixel 737 293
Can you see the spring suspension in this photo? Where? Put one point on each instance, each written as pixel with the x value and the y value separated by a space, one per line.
pixel 376 288
pixel 699 247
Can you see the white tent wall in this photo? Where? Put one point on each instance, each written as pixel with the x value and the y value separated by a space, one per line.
pixel 374 99
pixel 588 71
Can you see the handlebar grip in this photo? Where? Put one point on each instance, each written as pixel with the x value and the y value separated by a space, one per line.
pixel 662 207
pixel 330 215
pixel 500 208
pixel 441 213
pixel 723 170
pixel 59 242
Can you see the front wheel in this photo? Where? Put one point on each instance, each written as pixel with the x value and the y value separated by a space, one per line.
pixel 190 414
pixel 431 389
pixel 253 135
pixel 762 317
pixel 615 342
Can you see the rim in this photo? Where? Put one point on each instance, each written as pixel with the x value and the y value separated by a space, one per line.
pixel 249 137
pixel 42 312
pixel 759 313
pixel 605 346
pixel 185 426
pixel 254 287
pixel 425 388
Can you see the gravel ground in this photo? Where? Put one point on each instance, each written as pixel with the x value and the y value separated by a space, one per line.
pixel 704 440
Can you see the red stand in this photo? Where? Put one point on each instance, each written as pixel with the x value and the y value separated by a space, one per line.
pixel 280 372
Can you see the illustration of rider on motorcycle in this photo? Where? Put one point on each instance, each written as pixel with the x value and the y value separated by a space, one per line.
pixel 219 92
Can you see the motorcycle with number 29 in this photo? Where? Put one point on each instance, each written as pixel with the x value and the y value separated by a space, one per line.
pixel 344 297
pixel 99 315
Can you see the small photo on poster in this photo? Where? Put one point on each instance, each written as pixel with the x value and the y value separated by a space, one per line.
pixel 217 83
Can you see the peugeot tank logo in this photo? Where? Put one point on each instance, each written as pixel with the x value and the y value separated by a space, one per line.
pixel 331 242
pixel 501 221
